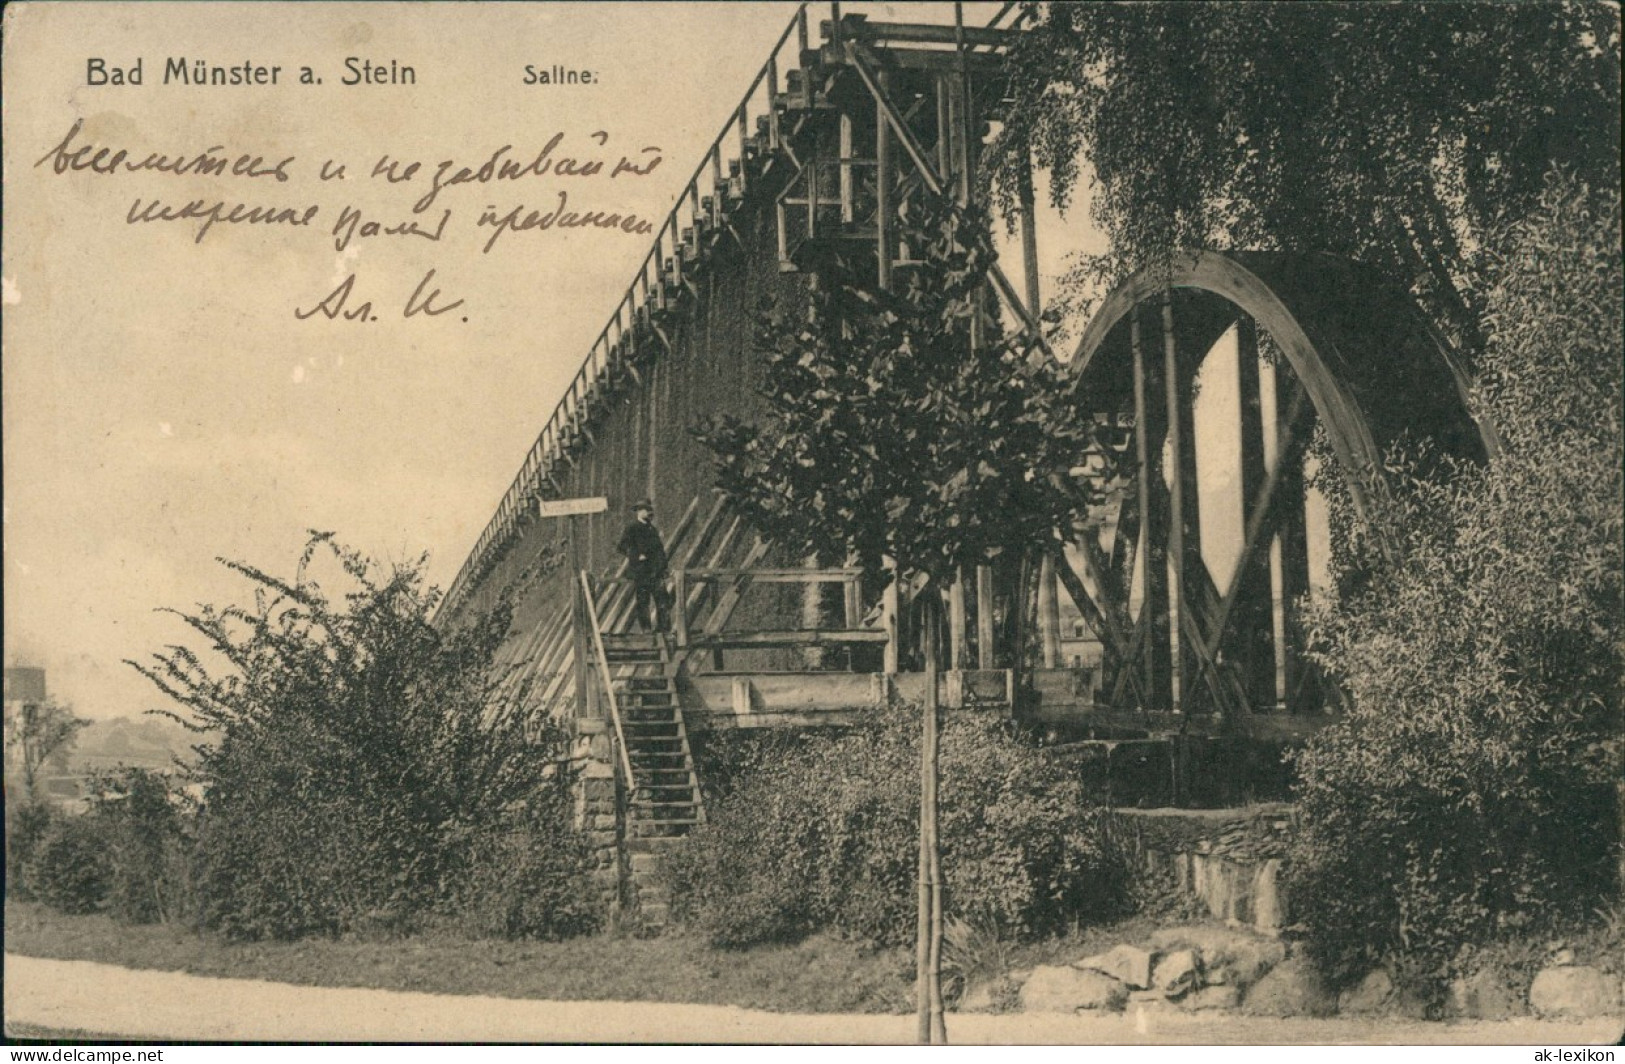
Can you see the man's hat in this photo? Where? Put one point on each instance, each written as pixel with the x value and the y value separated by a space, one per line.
pixel 643 504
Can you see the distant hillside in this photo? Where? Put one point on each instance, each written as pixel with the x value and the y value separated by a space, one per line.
pixel 137 742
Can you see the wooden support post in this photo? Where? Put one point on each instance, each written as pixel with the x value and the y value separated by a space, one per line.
pixel 1293 541
pixel 812 198
pixel 928 949
pixel 772 101
pixel 804 42
pixel 744 138
pixel 1049 613
pixel 890 600
pixel 1187 522
pixel 958 652
pixel 852 601
pixel 883 181
pixel 578 618
pixel 660 268
pixel 984 617
pixel 1251 640
pixel 1176 498
pixel 679 606
pixel 1152 553
pixel 719 187
pixel 846 168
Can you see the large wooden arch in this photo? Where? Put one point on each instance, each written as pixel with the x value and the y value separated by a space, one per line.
pixel 1376 371
pixel 1359 358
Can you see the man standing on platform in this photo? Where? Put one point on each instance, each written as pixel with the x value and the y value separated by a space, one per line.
pixel 646 565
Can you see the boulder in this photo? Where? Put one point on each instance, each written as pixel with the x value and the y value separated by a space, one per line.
pixel 1052 988
pixel 985 995
pixel 1372 994
pixel 1125 963
pixel 1209 998
pixel 1177 972
pixel 1291 988
pixel 1485 995
pixel 1227 955
pixel 1579 991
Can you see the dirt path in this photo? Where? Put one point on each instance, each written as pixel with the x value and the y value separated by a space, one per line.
pixel 164 1006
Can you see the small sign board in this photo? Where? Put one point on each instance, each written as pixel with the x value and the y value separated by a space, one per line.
pixel 573 507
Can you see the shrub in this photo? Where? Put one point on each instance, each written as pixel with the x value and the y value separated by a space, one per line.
pixel 1469 793
pixel 357 760
pixel 532 880
pixel 69 870
pixel 27 823
pixel 143 824
pixel 824 833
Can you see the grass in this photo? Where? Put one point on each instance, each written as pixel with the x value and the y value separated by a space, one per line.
pixel 822 974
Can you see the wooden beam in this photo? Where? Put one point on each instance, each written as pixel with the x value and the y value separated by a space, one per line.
pixel 984 617
pixel 1111 635
pixel 789 637
pixel 1251 644
pixel 911 145
pixel 1149 429
pixel 926 33
pixel 958 651
pixel 1264 513
pixel 884 252
pixel 1293 539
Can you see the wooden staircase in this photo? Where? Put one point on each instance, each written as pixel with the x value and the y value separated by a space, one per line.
pixel 664 791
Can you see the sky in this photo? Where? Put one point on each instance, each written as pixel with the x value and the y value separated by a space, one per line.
pixel 163 404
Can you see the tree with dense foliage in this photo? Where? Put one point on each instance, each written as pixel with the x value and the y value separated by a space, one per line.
pixel 888 435
pixel 1395 134
pixel 357 763
pixel 1470 790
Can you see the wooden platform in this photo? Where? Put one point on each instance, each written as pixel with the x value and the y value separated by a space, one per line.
pixel 717 701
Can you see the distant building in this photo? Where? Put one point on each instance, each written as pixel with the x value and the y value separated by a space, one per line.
pixel 24 686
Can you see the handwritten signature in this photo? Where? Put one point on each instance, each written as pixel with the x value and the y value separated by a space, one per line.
pixel 336 304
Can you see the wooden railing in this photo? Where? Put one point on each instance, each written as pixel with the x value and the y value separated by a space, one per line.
pixel 724 169
pixel 609 682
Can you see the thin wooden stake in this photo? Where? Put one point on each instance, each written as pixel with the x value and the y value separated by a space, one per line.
pixel 928 815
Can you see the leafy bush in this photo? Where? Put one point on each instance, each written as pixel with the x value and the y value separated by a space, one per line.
pixel 27 823
pixel 531 881
pixel 142 823
pixel 1470 793
pixel 69 871
pixel 822 831
pixel 357 760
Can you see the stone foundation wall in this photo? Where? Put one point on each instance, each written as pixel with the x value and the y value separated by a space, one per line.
pixel 1229 860
pixel 600 808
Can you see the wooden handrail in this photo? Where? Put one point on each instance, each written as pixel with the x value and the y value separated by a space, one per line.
pixel 609 684
pixel 767 576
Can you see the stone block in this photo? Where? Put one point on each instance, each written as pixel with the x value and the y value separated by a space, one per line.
pixel 1228 955
pixel 1372 994
pixel 1177 972
pixel 1130 965
pixel 603 822
pixel 1291 988
pixel 987 995
pixel 1053 988
pixel 1486 995
pixel 1577 991
pixel 1210 998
